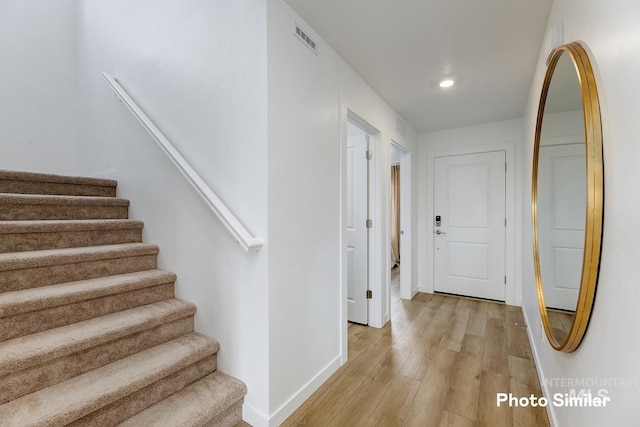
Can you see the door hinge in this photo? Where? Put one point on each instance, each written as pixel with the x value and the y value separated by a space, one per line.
pixel 369 155
pixel 369 223
pixel 505 222
pixel 369 294
pixel 505 280
pixel 505 167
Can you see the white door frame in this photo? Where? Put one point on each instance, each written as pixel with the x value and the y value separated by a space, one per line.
pixel 379 258
pixel 406 292
pixel 513 293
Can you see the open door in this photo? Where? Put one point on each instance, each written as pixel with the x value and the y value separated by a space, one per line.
pixel 357 231
pixel 402 158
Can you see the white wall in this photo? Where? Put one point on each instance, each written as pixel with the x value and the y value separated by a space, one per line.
pixel 38 86
pixel 198 69
pixel 306 125
pixel 609 30
pixel 467 140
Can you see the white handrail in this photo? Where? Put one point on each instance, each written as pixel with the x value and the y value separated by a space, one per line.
pixel 231 223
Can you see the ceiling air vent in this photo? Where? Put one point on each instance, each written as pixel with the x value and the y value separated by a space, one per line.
pixel 304 38
pixel 401 126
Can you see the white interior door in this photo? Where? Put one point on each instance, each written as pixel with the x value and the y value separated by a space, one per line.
pixel 469 199
pixel 562 202
pixel 357 232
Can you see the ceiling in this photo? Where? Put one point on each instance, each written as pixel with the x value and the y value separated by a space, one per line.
pixel 403 48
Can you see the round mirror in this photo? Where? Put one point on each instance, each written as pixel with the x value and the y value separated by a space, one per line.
pixel 567 196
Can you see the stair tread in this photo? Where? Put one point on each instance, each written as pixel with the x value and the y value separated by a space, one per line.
pixel 45 199
pixel 65 179
pixel 31 259
pixel 32 299
pixel 69 400
pixel 194 405
pixel 29 350
pixel 58 225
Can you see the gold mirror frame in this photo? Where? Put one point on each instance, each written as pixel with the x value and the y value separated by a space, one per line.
pixel 595 196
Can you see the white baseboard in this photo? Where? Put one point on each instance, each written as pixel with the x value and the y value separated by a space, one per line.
pixel 259 419
pixel 425 289
pixel 553 422
pixel 254 417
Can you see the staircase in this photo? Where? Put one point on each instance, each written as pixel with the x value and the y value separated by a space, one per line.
pixel 90 331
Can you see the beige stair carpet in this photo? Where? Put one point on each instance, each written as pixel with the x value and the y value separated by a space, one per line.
pixel 91 333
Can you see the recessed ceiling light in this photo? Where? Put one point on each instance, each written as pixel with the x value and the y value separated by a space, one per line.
pixel 446 83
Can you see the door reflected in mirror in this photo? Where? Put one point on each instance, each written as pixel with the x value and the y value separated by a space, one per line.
pixel 567 196
pixel 562 197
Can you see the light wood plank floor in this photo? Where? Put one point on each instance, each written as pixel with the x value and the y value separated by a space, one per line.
pixel 439 362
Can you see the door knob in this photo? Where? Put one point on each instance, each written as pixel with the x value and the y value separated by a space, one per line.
pixel 440 232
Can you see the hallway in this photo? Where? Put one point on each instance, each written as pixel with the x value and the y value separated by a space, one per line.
pixel 439 362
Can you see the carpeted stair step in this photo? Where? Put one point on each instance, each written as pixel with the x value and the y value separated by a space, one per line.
pixel 22 270
pixel 22 382
pixel 77 397
pixel 18 236
pixel 214 400
pixel 37 309
pixel 31 350
pixel 44 207
pixel 131 405
pixel 38 183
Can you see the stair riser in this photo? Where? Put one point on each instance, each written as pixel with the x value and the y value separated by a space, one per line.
pixel 20 383
pixel 48 275
pixel 41 320
pixel 33 187
pixel 20 242
pixel 146 397
pixel 23 212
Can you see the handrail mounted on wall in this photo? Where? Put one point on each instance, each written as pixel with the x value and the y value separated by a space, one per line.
pixel 230 222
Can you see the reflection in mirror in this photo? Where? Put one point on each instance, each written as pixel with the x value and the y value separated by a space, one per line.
pixel 562 197
pixel 567 196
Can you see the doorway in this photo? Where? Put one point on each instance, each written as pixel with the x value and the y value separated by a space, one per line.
pixel 470 225
pixel 513 290
pixel 377 292
pixel 402 223
pixel 357 223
